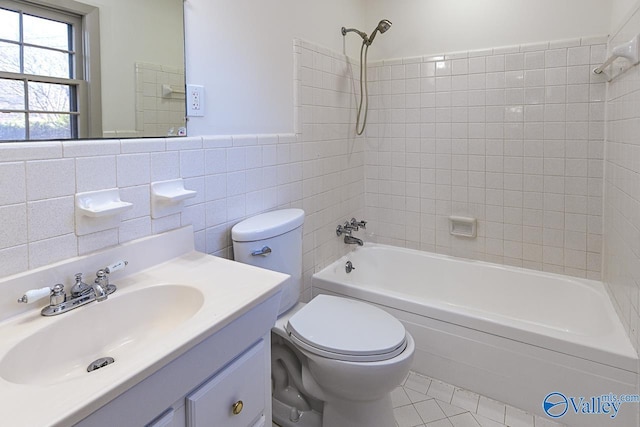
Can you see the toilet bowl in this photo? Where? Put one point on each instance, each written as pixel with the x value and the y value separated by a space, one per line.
pixel 335 361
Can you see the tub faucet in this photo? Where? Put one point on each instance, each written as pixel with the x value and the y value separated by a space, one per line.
pixel 350 240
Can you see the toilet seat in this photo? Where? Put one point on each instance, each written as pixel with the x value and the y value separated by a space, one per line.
pixel 348 330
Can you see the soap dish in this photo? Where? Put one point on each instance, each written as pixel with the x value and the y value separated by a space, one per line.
pixel 99 210
pixel 167 197
pixel 462 226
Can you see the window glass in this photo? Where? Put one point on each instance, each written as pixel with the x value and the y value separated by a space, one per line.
pixel 11 94
pixel 49 126
pixel 9 57
pixel 49 97
pixel 45 32
pixel 45 62
pixel 9 25
pixel 12 126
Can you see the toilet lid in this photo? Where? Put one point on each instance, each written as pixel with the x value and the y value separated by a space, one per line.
pixel 344 329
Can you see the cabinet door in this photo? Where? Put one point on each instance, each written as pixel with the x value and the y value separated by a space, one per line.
pixel 167 419
pixel 233 398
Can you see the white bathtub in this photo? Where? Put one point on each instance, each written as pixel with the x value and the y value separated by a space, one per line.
pixel 512 334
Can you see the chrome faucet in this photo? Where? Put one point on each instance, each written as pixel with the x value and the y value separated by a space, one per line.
pixel 349 227
pixel 80 288
pixel 81 293
pixel 344 229
pixel 101 286
pixel 357 224
pixel 350 240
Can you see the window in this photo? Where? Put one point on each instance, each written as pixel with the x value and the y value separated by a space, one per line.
pixel 42 83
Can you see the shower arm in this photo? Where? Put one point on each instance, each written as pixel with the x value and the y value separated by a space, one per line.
pixel 364 36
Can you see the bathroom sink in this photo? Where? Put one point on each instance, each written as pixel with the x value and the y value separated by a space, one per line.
pixel 170 300
pixel 119 327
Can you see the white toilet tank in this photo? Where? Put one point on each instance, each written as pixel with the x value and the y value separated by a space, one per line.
pixel 273 240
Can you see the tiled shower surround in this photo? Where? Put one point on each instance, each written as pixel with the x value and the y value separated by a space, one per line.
pixel 622 188
pixel 511 136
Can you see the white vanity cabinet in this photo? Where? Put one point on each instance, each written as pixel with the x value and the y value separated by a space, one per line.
pixel 203 387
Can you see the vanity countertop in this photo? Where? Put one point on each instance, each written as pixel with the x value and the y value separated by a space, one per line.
pixel 220 291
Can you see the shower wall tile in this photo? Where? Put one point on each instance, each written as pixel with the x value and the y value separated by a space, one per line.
pixel 504 135
pixel 622 193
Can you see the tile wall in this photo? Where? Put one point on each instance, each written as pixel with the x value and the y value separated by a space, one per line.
pixel 321 169
pixel 622 187
pixel 512 136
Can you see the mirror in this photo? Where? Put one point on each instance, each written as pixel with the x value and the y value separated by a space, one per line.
pixel 129 81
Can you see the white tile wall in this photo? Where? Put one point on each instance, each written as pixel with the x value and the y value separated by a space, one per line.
pixel 320 169
pixel 622 192
pixel 511 136
pixel 328 163
pixel 37 204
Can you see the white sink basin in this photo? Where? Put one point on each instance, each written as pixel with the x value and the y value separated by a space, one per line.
pixel 117 328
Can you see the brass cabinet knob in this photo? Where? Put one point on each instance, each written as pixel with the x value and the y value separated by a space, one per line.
pixel 237 407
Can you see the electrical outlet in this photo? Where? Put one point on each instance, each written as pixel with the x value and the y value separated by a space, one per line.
pixel 195 100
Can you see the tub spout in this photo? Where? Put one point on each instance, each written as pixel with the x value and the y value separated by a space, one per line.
pixel 350 240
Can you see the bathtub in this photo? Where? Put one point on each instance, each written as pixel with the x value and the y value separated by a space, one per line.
pixel 508 333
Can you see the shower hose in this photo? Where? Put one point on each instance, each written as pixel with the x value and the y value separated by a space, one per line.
pixel 364 94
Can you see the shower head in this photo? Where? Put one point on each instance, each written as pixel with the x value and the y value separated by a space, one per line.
pixel 382 27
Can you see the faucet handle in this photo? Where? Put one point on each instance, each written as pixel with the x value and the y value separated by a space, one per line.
pixel 355 223
pixel 102 275
pixel 101 283
pixel 349 226
pixel 58 295
pixel 118 265
pixel 34 295
pixel 340 230
pixel 102 278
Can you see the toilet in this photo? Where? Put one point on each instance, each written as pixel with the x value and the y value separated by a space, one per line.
pixel 335 360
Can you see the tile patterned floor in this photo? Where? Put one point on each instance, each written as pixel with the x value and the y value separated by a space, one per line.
pixel 425 402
